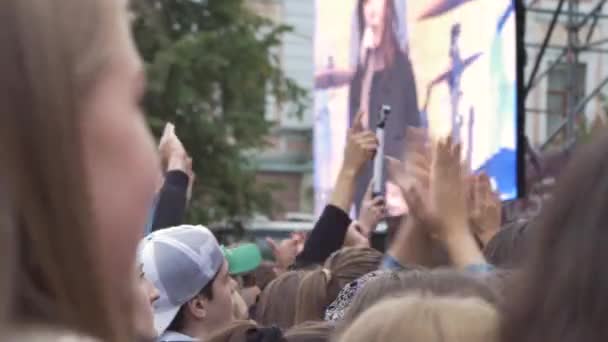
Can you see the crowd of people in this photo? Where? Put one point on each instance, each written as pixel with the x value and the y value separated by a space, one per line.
pixel 95 247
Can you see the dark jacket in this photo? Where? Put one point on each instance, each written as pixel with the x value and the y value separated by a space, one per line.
pixel 326 237
pixel 170 207
pixel 394 86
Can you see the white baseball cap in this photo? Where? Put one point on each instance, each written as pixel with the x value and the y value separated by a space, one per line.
pixel 180 262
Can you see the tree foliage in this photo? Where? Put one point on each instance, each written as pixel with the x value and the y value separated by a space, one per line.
pixel 211 67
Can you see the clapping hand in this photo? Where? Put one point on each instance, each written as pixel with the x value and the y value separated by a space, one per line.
pixel 412 244
pixel 413 174
pixel 448 190
pixel 486 209
pixel 417 162
pixel 448 199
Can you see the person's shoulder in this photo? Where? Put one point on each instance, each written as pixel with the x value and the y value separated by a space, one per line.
pixel 172 336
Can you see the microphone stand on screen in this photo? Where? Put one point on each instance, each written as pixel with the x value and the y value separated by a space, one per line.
pixel 378 177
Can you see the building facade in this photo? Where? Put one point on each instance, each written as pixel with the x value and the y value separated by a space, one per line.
pixel 547 103
pixel 287 163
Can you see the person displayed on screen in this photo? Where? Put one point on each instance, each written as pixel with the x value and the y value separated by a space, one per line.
pixel 383 76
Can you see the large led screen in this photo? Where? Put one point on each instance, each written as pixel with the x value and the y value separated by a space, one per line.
pixel 448 65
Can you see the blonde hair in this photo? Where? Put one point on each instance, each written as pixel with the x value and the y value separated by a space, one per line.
pixel 44 334
pixel 440 282
pixel 321 287
pixel 310 332
pixel 53 53
pixel 425 318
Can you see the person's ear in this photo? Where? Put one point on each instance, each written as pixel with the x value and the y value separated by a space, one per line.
pixel 197 307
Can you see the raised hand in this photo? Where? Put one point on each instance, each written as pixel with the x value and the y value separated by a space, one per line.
pixel 415 167
pixel 448 189
pixel 361 145
pixel 373 210
pixel 284 252
pixel 486 209
pixel 355 236
pixel 419 209
pixel 412 245
pixel 405 174
pixel 414 171
pixel 449 205
pixel 172 151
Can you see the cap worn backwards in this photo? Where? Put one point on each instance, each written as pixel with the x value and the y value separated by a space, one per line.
pixel 180 261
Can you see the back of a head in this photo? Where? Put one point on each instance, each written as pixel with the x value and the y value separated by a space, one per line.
pixel 507 249
pixel 425 318
pixel 246 331
pixel 499 281
pixel 264 274
pixel 561 294
pixel 52 54
pixel 439 283
pixel 310 332
pixel 182 262
pixel 320 287
pixel 236 331
pixel 277 304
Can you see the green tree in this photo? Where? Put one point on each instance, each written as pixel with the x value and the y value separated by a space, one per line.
pixel 211 65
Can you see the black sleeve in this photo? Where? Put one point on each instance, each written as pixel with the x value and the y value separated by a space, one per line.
pixel 171 206
pixel 326 237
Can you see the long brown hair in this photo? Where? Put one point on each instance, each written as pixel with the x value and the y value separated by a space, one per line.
pixel 52 54
pixel 388 44
pixel 277 304
pixel 7 261
pixel 508 248
pixel 561 293
pixel 321 286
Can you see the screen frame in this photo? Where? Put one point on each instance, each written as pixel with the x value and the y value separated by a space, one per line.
pixel 520 62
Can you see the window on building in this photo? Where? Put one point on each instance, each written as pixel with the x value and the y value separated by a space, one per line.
pixel 557 93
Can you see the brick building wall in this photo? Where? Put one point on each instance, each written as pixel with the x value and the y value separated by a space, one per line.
pixel 287 196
